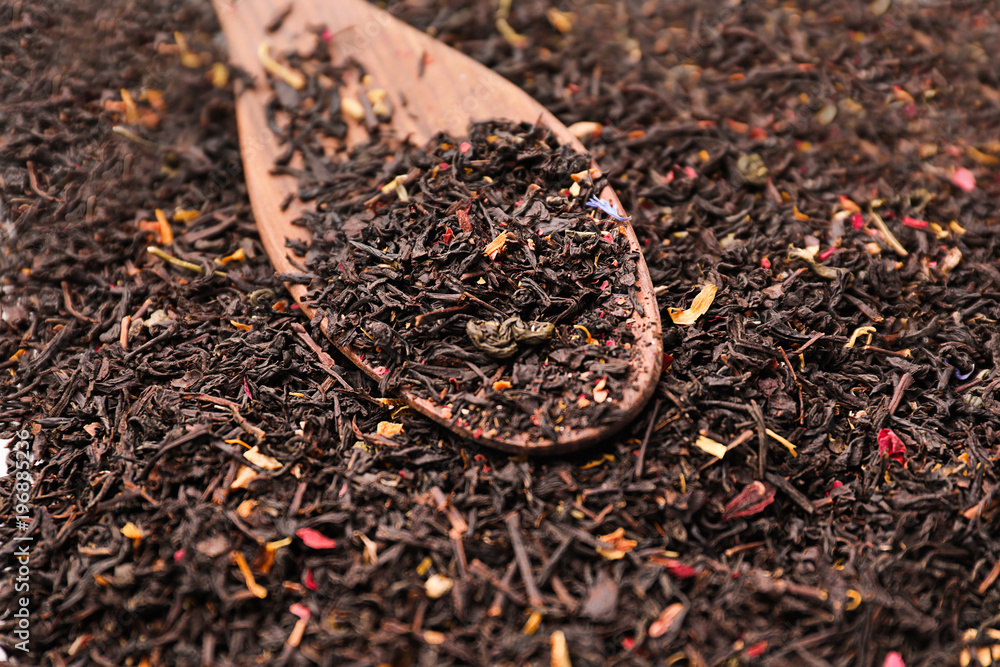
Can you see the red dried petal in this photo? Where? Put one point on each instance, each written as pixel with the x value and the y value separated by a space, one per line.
pixel 890 445
pixel 448 235
pixel 757 649
pixel 463 220
pixel 913 222
pixel 857 221
pixel 751 500
pixel 315 539
pixel 310 581
pixel 679 570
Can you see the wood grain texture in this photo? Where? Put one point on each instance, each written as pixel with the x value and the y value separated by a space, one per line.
pixel 451 92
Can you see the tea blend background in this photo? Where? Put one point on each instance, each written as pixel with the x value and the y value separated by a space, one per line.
pixel 731 132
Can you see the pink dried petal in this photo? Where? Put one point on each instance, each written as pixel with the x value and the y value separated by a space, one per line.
pixel 315 539
pixel 678 569
pixel 893 659
pixel 300 610
pixel 857 221
pixel 913 222
pixel 964 179
pixel 751 500
pixel 890 445
pixel 464 146
pixel 690 172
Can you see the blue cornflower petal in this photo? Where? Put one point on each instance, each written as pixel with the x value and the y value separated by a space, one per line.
pixel 964 376
pixel 607 207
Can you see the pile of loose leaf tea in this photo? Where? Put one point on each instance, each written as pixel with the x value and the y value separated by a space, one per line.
pixel 481 273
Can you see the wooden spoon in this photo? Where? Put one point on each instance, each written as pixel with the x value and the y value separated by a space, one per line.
pixel 431 87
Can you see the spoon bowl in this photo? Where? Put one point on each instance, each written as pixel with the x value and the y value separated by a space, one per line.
pixel 432 88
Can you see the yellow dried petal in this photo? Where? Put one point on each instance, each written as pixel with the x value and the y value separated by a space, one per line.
pixel 389 429
pixel 294 79
pixel 560 650
pixel 709 446
pixel 255 588
pixel 585 128
pixel 238 256
pixel 424 565
pixel 434 638
pixel 131 531
pixel 532 624
pixel 351 108
pixel 263 460
pixel 561 21
pixel 219 75
pixel 437 585
pixel 860 331
pixel 391 185
pixel 243 478
pixel 788 445
pixel 853 600
pixel 245 508
pixel 186 214
pixel 606 458
pixel 699 307
pixel 981 157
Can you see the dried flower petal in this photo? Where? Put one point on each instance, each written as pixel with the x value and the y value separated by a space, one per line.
pixel 315 539
pixel 890 445
pixel 699 307
pixel 585 128
pixel 131 531
pixel 389 429
pixel 893 659
pixel 672 615
pixel 494 247
pixel 964 180
pixel 437 585
pixel 266 462
pixel 709 446
pixel 560 650
pixel 245 475
pixel 293 78
pixel 751 500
